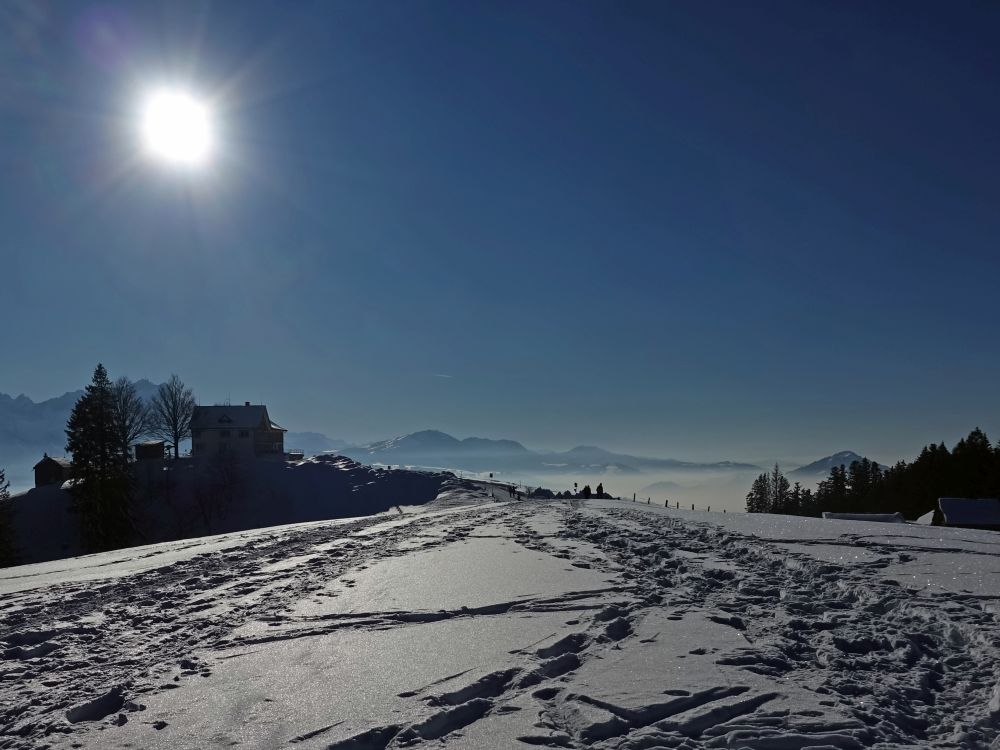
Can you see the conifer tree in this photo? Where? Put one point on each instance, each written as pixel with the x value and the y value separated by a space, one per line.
pixel 760 493
pixel 8 554
pixel 795 500
pixel 972 465
pixel 779 487
pixel 971 470
pixel 101 488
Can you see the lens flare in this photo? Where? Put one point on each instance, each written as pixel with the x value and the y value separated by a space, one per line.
pixel 177 128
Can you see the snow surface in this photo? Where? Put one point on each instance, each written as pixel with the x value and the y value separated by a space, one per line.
pixel 873 517
pixel 468 623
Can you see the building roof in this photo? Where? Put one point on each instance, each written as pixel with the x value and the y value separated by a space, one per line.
pixel 152 443
pixel 245 417
pixel 61 460
pixel 964 511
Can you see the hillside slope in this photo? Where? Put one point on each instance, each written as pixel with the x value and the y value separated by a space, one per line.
pixel 190 498
pixel 472 624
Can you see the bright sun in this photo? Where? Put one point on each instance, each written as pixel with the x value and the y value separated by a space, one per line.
pixel 177 128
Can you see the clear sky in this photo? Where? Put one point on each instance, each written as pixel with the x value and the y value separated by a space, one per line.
pixel 706 230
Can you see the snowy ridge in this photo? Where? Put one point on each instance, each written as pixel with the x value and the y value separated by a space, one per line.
pixel 821 467
pixel 478 624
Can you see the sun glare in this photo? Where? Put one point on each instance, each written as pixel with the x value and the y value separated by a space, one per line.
pixel 177 128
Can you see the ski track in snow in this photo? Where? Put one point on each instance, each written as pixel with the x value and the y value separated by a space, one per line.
pixel 818 654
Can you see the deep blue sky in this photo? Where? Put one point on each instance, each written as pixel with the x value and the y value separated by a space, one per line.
pixel 707 230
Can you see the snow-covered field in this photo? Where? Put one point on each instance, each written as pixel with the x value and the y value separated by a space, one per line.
pixel 477 624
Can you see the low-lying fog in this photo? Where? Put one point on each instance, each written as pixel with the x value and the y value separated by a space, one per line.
pixel 716 490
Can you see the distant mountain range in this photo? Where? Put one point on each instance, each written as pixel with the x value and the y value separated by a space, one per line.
pixel 28 429
pixel 821 468
pixel 439 449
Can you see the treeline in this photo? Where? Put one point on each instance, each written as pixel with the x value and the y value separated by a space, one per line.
pixel 8 554
pixel 104 424
pixel 970 469
pixel 106 421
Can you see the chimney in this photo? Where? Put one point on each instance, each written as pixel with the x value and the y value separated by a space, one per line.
pixel 246 403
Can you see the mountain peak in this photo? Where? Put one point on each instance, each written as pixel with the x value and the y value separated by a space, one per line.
pixel 823 465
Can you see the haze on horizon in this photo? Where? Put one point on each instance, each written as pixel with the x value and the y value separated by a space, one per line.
pixel 689 230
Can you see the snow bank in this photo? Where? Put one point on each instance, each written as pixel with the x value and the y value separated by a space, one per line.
pixel 869 517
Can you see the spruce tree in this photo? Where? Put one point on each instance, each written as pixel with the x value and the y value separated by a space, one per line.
pixel 779 488
pixel 8 554
pixel 759 495
pixel 101 489
pixel 795 500
pixel 972 467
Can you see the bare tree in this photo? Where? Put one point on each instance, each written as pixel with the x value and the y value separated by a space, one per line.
pixel 170 412
pixel 129 414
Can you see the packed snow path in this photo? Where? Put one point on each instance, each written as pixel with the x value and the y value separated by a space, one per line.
pixel 514 624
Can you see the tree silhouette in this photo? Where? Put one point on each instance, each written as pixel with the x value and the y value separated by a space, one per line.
pixel 760 493
pixel 971 470
pixel 8 552
pixel 170 412
pixel 101 489
pixel 130 419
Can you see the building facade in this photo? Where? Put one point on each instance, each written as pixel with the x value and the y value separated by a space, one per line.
pixel 51 470
pixel 244 431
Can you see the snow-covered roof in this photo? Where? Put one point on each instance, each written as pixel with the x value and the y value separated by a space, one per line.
pixel 964 511
pixel 61 460
pixel 245 417
pixel 871 517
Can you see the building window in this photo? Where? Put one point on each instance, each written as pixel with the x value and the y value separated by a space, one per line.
pixel 244 433
pixel 223 433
